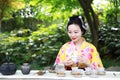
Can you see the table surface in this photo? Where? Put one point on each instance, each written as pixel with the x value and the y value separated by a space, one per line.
pixel 110 75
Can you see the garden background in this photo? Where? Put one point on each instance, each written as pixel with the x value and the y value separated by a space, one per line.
pixel 34 30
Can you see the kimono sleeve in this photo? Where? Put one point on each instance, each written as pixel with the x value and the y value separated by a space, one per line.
pixel 61 55
pixel 96 60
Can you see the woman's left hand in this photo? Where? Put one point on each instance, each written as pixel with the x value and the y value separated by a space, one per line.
pixel 83 59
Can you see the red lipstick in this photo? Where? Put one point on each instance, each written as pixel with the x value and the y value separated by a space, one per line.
pixel 73 38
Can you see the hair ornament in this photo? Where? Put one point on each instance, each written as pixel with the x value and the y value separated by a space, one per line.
pixel 83 24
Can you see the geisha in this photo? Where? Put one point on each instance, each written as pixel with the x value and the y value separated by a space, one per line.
pixel 78 52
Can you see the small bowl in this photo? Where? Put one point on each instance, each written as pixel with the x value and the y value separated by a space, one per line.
pixel 100 71
pixel 62 74
pixel 51 71
pixel 88 71
pixel 41 72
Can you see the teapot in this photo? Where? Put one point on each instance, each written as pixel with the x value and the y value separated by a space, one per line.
pixel 8 68
pixel 25 68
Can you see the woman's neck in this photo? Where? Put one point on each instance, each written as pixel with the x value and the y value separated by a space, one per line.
pixel 78 43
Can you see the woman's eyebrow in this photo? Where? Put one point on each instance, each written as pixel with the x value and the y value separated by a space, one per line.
pixel 76 30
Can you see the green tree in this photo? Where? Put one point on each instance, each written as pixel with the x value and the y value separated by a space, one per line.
pixel 65 8
pixel 7 7
pixel 92 19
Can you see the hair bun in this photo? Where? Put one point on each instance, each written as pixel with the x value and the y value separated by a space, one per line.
pixel 83 24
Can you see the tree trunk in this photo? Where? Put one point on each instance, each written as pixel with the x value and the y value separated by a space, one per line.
pixel 0 25
pixel 1 17
pixel 92 19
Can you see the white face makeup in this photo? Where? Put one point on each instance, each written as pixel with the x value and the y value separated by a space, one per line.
pixel 74 32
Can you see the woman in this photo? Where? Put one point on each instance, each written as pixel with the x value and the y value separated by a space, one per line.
pixel 78 52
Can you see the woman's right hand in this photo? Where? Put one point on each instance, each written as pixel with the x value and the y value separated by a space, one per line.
pixel 68 62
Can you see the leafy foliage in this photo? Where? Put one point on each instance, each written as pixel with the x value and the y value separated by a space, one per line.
pixel 35 33
pixel 38 46
pixel 109 41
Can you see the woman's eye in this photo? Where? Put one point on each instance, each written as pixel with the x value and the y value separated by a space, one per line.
pixel 69 32
pixel 75 32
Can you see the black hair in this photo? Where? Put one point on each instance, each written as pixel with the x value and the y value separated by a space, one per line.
pixel 78 20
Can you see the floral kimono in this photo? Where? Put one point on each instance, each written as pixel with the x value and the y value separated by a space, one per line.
pixel 86 50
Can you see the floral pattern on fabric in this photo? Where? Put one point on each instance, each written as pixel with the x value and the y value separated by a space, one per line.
pixel 86 50
pixel 87 53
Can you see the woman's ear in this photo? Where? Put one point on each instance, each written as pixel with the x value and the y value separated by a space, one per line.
pixel 82 33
